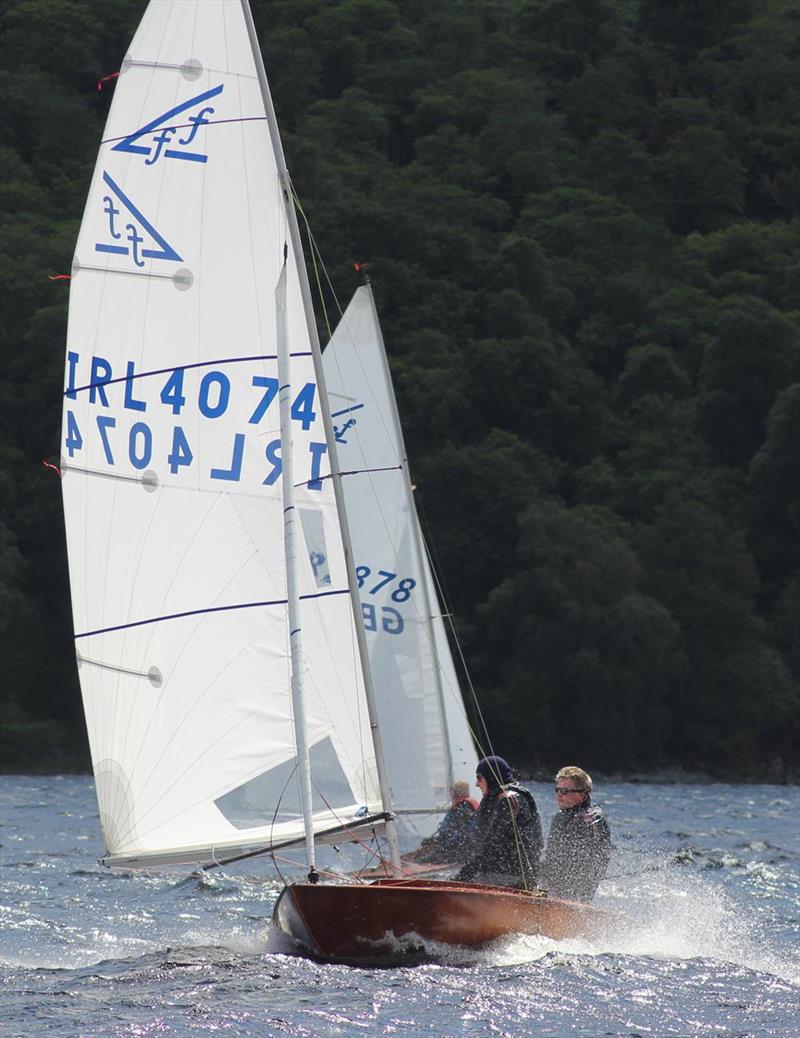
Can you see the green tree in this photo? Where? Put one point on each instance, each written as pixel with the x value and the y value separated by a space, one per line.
pixel 755 355
pixel 775 501
pixel 582 660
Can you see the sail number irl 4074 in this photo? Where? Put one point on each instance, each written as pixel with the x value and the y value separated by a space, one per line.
pixel 199 420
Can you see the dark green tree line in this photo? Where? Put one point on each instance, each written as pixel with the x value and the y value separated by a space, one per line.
pixel 582 223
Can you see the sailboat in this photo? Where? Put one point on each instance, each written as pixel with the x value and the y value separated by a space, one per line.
pixel 417 691
pixel 220 640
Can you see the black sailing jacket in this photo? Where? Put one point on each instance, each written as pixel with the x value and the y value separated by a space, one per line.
pixel 508 841
pixel 578 852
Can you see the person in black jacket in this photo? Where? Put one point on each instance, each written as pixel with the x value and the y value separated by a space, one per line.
pixel 508 841
pixel 579 842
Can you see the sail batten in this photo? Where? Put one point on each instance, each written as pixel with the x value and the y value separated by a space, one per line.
pixel 208 609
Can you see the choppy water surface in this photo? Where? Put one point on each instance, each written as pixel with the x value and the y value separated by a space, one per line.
pixel 707 875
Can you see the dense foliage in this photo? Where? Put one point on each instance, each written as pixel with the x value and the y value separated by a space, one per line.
pixel 581 219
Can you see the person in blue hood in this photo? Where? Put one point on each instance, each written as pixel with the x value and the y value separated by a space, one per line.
pixel 508 839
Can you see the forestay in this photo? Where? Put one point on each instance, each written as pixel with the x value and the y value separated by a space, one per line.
pixel 171 472
pixel 419 702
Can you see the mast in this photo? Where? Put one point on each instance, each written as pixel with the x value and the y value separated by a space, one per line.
pixel 290 554
pixel 308 308
pixel 415 527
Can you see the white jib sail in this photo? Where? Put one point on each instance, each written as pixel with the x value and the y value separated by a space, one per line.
pixel 171 472
pixel 426 736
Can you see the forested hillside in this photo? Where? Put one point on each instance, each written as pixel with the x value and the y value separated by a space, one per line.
pixel 581 219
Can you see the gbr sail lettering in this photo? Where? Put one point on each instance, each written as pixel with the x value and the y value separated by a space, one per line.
pixel 387 618
pixel 125 419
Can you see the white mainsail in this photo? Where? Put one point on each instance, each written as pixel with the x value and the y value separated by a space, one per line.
pixel 428 743
pixel 172 473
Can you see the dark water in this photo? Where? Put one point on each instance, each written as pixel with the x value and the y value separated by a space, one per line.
pixel 708 876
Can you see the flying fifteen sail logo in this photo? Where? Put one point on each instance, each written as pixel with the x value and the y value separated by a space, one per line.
pixel 339 431
pixel 130 232
pixel 173 134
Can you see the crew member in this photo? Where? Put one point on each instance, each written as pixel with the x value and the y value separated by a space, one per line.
pixel 508 840
pixel 579 842
pixel 453 838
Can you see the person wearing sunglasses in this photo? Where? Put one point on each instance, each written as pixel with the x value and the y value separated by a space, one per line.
pixel 579 841
pixel 508 839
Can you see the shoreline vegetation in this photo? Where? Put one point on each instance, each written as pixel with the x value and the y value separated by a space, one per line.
pixel 582 224
pixel 49 748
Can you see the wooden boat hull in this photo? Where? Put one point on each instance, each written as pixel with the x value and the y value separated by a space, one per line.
pixel 395 921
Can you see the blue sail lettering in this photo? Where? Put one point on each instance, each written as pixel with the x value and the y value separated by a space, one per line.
pixel 72 364
pixel 135 239
pixel 73 440
pixel 164 251
pixel 317 452
pixel 368 613
pixel 164 143
pixel 101 374
pixel 208 409
pixel 392 621
pixel 197 121
pixel 160 139
pixel 111 211
pixel 140 445
pixel 105 422
pixel 181 453
pixel 130 402
pixel 235 471
pixel 273 454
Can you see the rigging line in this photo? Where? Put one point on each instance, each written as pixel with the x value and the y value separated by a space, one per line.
pixel 246 855
pixel 522 854
pixel 316 249
pixel 481 739
pixel 375 855
pixel 313 257
pixel 356 840
pixel 274 819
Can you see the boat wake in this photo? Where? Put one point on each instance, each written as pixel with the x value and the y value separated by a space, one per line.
pixel 669 915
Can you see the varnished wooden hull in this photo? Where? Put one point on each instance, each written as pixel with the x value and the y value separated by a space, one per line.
pixel 392 922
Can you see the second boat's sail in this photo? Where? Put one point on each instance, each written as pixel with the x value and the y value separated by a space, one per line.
pixel 171 472
pixel 426 735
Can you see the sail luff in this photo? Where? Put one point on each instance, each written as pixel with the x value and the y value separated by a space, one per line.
pixel 294 230
pixel 290 521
